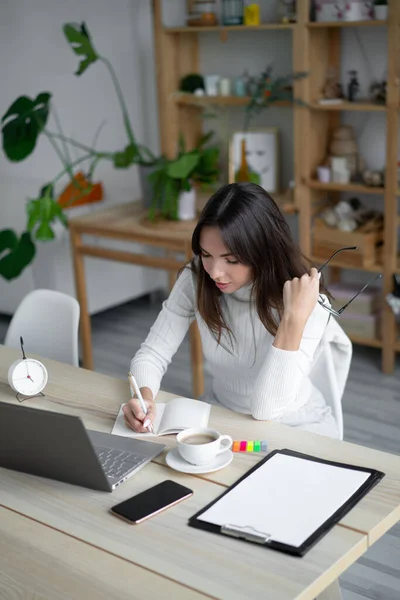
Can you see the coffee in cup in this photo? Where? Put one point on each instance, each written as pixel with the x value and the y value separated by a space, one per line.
pixel 200 446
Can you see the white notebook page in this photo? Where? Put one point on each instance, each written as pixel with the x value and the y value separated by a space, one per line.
pixel 288 498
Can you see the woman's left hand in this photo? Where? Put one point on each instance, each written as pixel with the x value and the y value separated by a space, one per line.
pixel 300 296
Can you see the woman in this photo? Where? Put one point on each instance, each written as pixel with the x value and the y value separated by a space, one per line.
pixel 255 302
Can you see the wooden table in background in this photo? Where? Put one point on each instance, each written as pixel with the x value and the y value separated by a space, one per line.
pixel 127 222
pixel 60 541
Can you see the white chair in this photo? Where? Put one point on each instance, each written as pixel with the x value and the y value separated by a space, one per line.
pixel 48 322
pixel 331 368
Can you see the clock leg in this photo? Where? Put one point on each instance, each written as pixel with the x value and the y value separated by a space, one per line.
pixel 21 398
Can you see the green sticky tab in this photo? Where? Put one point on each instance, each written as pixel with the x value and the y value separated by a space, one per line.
pixel 256 446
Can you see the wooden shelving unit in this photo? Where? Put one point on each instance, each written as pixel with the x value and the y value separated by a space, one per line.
pixel 341 24
pixel 361 105
pixel 315 47
pixel 360 188
pixel 236 28
pixel 190 100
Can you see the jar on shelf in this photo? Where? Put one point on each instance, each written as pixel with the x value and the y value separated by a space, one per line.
pixel 240 87
pixel 232 12
pixel 203 13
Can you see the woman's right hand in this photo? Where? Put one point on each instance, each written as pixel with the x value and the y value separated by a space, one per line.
pixel 134 415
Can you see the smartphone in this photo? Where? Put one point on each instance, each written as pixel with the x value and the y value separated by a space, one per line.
pixel 151 501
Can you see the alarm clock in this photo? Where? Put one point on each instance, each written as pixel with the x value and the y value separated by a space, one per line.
pixel 27 376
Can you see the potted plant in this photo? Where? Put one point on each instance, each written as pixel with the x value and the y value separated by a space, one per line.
pixel 23 123
pixel 176 180
pixel 267 91
pixel 381 10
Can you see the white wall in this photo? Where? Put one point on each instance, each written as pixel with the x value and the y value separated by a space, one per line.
pixel 35 57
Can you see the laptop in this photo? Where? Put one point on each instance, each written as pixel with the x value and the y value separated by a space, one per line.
pixel 58 446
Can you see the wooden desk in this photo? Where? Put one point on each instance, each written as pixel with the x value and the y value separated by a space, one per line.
pixel 95 555
pixel 127 222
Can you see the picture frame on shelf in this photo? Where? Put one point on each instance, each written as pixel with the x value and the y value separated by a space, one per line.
pixel 262 156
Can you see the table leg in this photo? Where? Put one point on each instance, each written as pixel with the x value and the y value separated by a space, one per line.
pixel 80 286
pixel 197 360
pixel 332 592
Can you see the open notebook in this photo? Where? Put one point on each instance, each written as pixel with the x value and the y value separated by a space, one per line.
pixel 171 417
pixel 288 501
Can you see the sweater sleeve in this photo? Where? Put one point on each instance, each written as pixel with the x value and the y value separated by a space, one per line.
pixel 151 361
pixel 277 388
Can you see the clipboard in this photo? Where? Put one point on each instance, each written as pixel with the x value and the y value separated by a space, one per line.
pixel 288 501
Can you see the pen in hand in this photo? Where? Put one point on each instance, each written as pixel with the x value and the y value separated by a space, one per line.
pixel 135 389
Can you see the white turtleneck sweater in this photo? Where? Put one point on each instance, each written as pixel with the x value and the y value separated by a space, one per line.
pixel 249 374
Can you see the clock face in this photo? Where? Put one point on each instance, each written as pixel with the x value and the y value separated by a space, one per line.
pixel 28 377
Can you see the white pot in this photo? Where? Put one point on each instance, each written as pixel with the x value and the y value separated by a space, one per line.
pixel 381 12
pixel 187 205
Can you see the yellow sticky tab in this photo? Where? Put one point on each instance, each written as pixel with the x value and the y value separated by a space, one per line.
pixel 249 446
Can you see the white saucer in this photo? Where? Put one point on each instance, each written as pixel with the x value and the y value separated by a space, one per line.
pixel 175 461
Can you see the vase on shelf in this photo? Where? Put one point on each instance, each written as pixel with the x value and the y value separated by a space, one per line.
pixel 80 191
pixel 381 12
pixel 243 173
pixel 187 205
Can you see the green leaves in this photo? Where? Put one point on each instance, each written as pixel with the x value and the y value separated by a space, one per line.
pixel 207 169
pixel 42 212
pixel 22 124
pixel 125 158
pixel 183 166
pixel 15 253
pixel 174 176
pixel 79 39
pixel 270 90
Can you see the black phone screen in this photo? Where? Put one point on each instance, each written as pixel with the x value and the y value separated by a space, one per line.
pixel 151 501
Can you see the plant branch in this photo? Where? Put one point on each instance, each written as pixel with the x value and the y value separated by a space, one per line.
pixel 73 164
pixel 73 142
pixel 65 162
pixel 92 167
pixel 97 133
pixel 120 96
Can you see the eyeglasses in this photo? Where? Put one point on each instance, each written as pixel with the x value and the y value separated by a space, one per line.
pixel 331 310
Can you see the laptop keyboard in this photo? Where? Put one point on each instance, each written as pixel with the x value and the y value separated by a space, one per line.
pixel 117 463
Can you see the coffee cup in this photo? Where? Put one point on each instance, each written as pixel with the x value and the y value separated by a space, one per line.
pixel 200 445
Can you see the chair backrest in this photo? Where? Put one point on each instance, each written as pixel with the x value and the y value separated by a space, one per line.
pixel 48 321
pixel 331 367
pixel 324 378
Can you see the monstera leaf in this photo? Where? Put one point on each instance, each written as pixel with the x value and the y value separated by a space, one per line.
pixel 22 124
pixel 42 211
pixel 80 42
pixel 15 253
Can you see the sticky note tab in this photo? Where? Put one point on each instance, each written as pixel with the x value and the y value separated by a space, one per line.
pixel 264 446
pixel 250 446
pixel 236 447
pixel 243 445
pixel 256 446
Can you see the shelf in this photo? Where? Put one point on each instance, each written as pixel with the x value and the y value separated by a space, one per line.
pixel 224 28
pixel 337 262
pixel 362 105
pixel 375 343
pixel 369 23
pixel 345 187
pixel 184 99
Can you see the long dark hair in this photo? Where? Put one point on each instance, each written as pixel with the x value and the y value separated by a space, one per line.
pixel 254 230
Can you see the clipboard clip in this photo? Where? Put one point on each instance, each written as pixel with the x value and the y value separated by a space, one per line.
pixel 247 533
